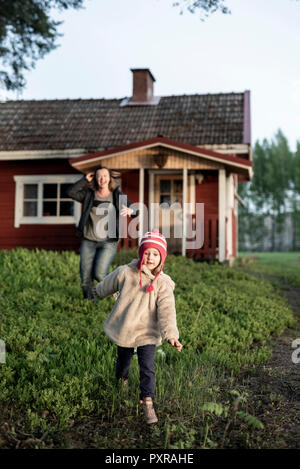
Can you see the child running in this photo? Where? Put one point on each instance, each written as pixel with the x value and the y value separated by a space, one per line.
pixel 143 315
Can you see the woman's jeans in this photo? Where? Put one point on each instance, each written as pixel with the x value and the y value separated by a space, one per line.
pixel 145 355
pixel 95 260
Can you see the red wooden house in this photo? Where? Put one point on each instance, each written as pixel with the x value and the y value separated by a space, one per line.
pixel 185 149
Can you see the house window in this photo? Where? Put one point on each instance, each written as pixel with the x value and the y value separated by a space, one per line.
pixel 30 200
pixel 170 190
pixel 43 199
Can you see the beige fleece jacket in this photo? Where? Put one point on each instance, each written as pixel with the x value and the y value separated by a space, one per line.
pixel 139 318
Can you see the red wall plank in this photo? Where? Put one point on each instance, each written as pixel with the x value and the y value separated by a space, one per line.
pixel 207 193
pixel 61 237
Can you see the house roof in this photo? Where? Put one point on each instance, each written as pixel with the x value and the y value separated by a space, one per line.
pixel 239 165
pixel 97 124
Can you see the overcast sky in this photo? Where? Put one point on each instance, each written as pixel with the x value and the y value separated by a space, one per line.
pixel 257 47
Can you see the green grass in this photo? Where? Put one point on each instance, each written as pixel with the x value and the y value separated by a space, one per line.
pixel 285 265
pixel 60 365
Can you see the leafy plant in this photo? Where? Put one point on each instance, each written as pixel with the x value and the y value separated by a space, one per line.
pixel 60 365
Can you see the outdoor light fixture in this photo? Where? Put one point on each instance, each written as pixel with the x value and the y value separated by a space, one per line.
pixel 160 158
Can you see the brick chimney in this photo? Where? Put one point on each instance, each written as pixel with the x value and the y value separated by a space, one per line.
pixel 142 86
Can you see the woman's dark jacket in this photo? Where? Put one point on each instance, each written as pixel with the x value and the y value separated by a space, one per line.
pixel 81 192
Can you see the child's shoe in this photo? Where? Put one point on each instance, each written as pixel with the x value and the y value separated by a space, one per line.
pixel 147 405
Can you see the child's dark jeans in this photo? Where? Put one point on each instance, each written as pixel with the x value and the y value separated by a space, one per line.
pixel 145 355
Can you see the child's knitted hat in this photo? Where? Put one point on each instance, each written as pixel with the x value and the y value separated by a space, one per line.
pixel 152 239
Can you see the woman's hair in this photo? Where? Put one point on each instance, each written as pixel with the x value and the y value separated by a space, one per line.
pixel 112 183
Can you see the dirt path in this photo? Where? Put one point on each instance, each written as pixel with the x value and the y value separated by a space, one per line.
pixel 274 390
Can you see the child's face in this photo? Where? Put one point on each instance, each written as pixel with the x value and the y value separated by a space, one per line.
pixel 151 258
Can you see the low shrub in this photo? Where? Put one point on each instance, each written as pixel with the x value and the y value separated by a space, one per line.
pixel 60 365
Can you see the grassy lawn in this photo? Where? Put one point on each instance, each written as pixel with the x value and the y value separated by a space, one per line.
pixel 285 265
pixel 58 380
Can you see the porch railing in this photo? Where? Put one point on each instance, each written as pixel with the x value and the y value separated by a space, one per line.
pixel 128 243
pixel 209 250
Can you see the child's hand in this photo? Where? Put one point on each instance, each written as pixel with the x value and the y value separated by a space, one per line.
pixel 175 343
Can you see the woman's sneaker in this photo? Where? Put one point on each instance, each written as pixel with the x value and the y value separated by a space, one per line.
pixel 147 405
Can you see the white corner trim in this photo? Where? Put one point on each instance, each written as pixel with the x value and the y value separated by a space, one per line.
pixel 141 201
pixel 238 148
pixel 222 213
pixel 41 154
pixel 229 209
pixel 192 194
pixel 151 201
pixel 49 178
pixel 18 202
pixel 184 214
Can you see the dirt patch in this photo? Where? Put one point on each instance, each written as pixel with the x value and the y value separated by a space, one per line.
pixel 274 389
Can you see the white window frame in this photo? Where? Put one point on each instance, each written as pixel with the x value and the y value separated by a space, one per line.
pixel 40 180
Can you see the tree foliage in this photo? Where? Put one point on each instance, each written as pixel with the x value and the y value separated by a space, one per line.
pixel 27 33
pixel 274 191
pixel 296 170
pixel 273 175
pixel 204 7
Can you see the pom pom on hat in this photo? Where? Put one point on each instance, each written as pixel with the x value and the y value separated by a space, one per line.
pixel 152 239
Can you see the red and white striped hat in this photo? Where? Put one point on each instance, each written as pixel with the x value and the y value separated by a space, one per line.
pixel 152 239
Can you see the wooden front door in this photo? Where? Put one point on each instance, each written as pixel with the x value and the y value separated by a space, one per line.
pixel 168 191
